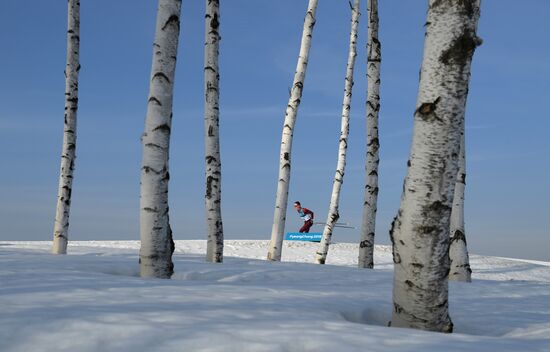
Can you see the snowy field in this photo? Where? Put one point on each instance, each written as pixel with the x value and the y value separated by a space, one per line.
pixel 94 300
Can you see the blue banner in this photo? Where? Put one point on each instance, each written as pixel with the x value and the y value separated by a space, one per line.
pixel 302 236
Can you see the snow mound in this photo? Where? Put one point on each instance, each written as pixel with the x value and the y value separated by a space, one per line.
pixel 94 300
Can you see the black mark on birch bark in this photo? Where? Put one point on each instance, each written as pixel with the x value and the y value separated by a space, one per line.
pixel 458 236
pixel 214 23
pixel 172 20
pixel 209 186
pixel 461 49
pixel 162 128
pixel 161 75
pixel 427 110
pixel 155 100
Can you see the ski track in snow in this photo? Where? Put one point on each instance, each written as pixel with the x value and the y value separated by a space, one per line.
pixel 94 300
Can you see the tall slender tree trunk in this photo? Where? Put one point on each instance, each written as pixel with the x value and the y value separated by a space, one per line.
pixel 420 231
pixel 61 224
pixel 458 251
pixel 157 245
pixel 374 59
pixel 281 201
pixel 212 199
pixel 333 215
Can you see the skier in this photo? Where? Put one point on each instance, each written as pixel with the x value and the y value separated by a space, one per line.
pixel 306 215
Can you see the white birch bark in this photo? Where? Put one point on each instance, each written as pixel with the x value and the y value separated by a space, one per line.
pixel 458 250
pixel 281 201
pixel 374 57
pixel 420 231
pixel 333 215
pixel 157 245
pixel 61 224
pixel 212 199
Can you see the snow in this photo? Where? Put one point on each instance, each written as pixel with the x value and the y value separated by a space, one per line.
pixel 94 300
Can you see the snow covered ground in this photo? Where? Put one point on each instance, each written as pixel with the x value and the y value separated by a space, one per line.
pixel 94 300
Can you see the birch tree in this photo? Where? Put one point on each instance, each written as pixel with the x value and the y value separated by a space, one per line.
pixel 374 57
pixel 281 201
pixel 157 245
pixel 61 224
pixel 212 199
pixel 420 231
pixel 333 214
pixel 458 251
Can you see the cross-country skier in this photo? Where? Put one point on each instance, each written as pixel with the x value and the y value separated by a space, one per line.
pixel 306 215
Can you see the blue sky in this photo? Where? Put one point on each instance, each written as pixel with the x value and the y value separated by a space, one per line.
pixel 507 118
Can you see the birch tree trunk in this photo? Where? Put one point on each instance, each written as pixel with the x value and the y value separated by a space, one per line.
pixel 157 245
pixel 281 201
pixel 458 251
pixel 366 245
pixel 212 199
pixel 61 224
pixel 420 231
pixel 333 215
